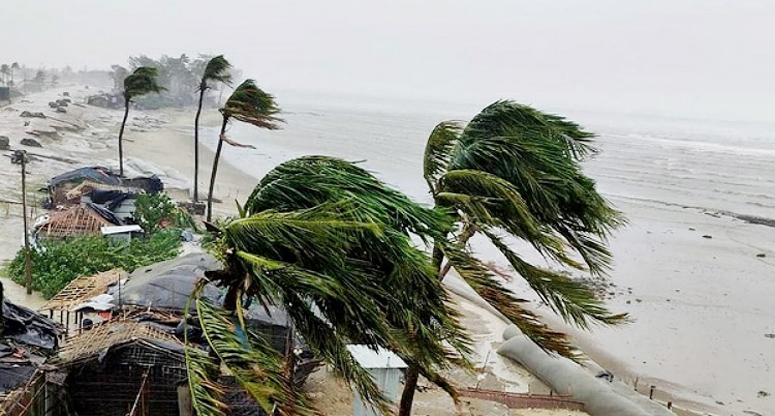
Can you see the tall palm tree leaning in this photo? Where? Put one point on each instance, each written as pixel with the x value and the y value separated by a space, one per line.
pixel 333 246
pixel 216 70
pixel 140 82
pixel 514 172
pixel 248 104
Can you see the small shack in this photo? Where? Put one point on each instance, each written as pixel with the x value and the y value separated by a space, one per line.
pixel 26 340
pixel 70 187
pixel 72 297
pixel 123 364
pixel 78 221
pixel 385 368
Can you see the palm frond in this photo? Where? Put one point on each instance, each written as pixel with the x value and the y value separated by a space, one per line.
pixel 252 105
pixel 572 299
pixel 217 69
pixel 207 397
pixel 505 116
pixel 325 342
pixel 438 149
pixel 482 281
pixel 256 366
pixel 310 181
pixel 142 81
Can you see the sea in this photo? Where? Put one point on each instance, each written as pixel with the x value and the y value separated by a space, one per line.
pixel 695 266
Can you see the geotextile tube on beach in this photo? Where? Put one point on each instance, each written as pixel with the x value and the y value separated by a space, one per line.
pixel 600 397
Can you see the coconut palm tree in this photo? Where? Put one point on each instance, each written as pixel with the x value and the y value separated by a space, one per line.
pixel 216 70
pixel 5 70
pixel 14 67
pixel 513 173
pixel 332 245
pixel 140 82
pixel 248 104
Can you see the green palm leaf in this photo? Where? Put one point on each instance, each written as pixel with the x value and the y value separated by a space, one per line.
pixel 252 105
pixel 438 149
pixel 515 171
pixel 142 81
pixel 217 69
pixel 256 366
pixel 573 300
pixel 486 285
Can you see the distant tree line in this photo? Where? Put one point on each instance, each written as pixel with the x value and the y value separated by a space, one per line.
pixel 179 76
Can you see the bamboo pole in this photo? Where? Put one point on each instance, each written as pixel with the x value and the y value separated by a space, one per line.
pixel 27 260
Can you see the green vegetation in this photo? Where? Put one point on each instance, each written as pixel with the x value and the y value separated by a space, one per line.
pixel 58 262
pixel 335 247
pixel 514 172
pixel 157 211
pixel 216 70
pixel 248 104
pixel 142 81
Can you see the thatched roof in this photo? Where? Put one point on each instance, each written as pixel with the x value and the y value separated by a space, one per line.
pixel 93 343
pixel 77 221
pixel 82 289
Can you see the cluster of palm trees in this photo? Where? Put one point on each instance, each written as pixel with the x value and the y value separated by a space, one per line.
pixel 7 73
pixel 337 249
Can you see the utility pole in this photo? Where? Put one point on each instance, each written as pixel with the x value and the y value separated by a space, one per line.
pixel 20 156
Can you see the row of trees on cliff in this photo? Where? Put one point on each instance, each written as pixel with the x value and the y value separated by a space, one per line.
pixel 335 247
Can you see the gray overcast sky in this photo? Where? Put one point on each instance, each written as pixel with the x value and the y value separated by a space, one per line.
pixel 706 58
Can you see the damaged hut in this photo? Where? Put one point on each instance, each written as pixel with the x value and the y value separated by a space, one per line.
pixel 134 363
pixel 86 219
pixel 123 367
pixel 26 340
pixel 72 187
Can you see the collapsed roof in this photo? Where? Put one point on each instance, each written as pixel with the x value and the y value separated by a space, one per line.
pixel 27 338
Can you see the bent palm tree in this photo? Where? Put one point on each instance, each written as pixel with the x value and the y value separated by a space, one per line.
pixel 216 70
pixel 142 81
pixel 248 104
pixel 332 245
pixel 513 173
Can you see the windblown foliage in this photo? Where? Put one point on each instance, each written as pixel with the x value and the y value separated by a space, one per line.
pixel 332 244
pixel 514 172
pixel 57 263
pixel 248 104
pixel 216 70
pixel 141 81
pixel 251 104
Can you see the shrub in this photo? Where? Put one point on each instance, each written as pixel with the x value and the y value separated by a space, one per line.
pixel 58 262
pixel 152 210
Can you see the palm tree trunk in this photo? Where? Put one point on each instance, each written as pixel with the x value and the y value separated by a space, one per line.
pixel 468 231
pixel 120 137
pixel 196 143
pixel 413 372
pixel 410 386
pixel 215 170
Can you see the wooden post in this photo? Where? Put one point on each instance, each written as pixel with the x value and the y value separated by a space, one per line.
pixel 27 261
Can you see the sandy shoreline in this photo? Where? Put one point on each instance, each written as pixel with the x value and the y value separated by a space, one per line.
pixel 162 142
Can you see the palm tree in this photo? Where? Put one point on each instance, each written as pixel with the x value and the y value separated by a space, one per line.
pixel 14 67
pixel 217 70
pixel 5 70
pixel 332 245
pixel 142 81
pixel 248 104
pixel 513 173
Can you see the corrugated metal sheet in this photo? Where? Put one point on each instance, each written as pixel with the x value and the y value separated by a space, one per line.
pixel 385 368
